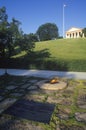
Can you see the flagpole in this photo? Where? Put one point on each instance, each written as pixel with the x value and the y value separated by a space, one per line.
pixel 63 19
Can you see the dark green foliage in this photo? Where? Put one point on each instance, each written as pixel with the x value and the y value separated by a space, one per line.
pixel 26 43
pixel 11 36
pixel 5 44
pixel 6 34
pixel 3 18
pixel 15 30
pixel 47 31
pixel 84 31
pixel 33 37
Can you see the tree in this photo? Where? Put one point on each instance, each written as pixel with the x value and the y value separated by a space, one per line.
pixel 5 34
pixel 84 31
pixel 15 30
pixel 11 35
pixel 6 47
pixel 26 43
pixel 3 19
pixel 33 37
pixel 9 32
pixel 47 31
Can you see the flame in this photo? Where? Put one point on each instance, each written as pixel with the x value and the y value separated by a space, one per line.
pixel 54 80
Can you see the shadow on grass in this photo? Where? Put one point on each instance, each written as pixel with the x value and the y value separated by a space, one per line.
pixel 35 60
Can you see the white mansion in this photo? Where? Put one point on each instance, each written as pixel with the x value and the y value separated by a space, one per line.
pixel 74 33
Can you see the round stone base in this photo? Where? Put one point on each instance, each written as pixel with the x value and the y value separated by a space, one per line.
pixel 48 86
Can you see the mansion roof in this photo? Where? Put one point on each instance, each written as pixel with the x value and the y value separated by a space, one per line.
pixel 73 29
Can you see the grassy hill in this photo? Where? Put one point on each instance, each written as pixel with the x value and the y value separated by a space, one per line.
pixel 65 54
pixel 60 54
pixel 65 48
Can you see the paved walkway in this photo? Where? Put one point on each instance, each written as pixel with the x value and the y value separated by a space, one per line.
pixel 44 73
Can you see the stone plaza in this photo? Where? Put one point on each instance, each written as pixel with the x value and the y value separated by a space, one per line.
pixel 23 104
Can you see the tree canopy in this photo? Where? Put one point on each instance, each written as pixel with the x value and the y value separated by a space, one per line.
pixel 5 34
pixel 47 31
pixel 11 35
pixel 84 31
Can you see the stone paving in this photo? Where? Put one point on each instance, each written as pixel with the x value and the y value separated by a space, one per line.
pixel 70 103
pixel 13 91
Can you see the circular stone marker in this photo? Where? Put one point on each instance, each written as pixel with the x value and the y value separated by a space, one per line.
pixel 48 86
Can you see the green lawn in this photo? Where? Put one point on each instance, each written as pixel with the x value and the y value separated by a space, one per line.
pixel 60 54
pixel 70 52
pixel 74 49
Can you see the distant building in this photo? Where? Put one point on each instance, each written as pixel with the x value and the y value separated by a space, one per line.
pixel 74 33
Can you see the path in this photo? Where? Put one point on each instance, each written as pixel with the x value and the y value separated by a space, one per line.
pixel 44 73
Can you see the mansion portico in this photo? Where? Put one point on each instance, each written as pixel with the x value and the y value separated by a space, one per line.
pixel 74 33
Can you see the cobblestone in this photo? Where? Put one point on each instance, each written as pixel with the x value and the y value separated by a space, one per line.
pixel 28 90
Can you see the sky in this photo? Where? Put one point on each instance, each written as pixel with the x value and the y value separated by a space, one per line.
pixel 34 13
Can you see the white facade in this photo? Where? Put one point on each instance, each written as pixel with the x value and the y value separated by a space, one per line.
pixel 74 33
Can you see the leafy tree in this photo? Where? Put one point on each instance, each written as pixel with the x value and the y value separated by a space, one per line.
pixel 9 33
pixel 15 30
pixel 84 31
pixel 3 19
pixel 47 31
pixel 33 37
pixel 5 34
pixel 26 43
pixel 5 44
